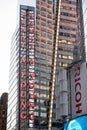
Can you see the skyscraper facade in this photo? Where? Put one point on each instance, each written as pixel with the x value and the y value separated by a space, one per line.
pixel 43 42
pixel 69 37
pixel 67 31
pixel 31 70
pixel 84 11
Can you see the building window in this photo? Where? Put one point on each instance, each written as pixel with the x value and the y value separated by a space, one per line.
pixel 43 24
pixel 43 34
pixel 43 29
pixel 49 42
pixel 49 1
pixel 43 40
pixel 43 14
pixel 49 16
pixel 43 9
pixel 3 112
pixel 68 14
pixel 72 2
pixel 49 36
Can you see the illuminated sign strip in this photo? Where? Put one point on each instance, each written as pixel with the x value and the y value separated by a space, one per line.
pixel 31 66
pixel 27 63
pixel 23 67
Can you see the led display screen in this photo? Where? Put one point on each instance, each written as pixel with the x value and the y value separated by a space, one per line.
pixel 79 123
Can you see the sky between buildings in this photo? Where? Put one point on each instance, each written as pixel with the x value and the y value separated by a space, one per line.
pixel 8 12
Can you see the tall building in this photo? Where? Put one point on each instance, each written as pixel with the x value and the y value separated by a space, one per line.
pixel 3 111
pixel 68 30
pixel 43 42
pixel 84 15
pixel 69 37
pixel 31 86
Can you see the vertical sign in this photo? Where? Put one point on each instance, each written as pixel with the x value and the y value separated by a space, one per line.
pixel 22 83
pixel 31 66
pixel 27 64
pixel 78 90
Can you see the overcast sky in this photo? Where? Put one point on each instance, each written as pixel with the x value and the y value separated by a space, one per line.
pixel 8 13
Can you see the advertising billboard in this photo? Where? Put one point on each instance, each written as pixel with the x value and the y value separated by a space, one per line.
pixel 27 67
pixel 78 90
pixel 79 123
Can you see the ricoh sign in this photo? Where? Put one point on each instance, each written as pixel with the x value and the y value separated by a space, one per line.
pixel 27 66
pixel 78 90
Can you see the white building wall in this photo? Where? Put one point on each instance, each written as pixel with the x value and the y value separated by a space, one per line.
pixel 61 94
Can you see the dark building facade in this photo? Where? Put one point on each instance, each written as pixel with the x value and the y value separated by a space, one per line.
pixel 3 111
pixel 42 43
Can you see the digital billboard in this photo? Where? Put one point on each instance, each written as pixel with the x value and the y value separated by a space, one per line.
pixel 79 123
